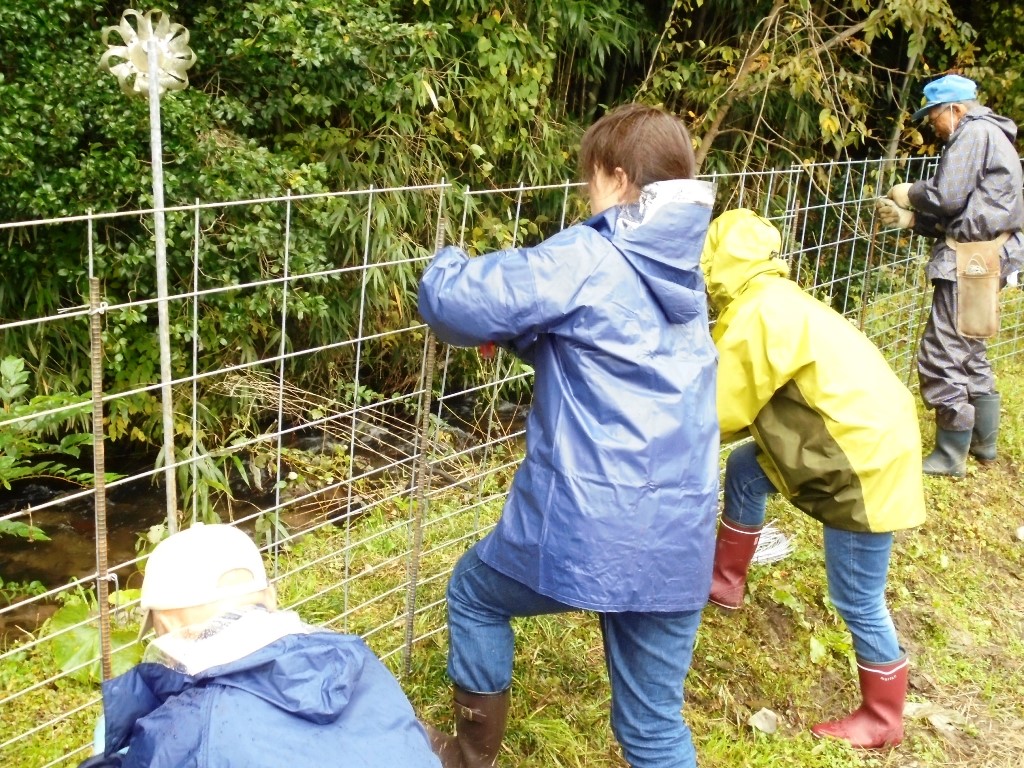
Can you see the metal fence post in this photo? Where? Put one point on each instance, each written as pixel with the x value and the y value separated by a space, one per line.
pixel 421 473
pixel 96 309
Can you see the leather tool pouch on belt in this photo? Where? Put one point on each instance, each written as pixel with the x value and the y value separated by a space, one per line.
pixel 977 286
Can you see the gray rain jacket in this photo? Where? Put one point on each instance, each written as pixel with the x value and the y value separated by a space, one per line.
pixel 975 194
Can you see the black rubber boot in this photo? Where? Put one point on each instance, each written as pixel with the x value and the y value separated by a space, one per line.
pixel 950 454
pixel 986 426
pixel 480 720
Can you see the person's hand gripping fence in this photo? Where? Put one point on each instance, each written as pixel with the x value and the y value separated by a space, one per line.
pixel 892 215
pixel 900 194
pixel 895 210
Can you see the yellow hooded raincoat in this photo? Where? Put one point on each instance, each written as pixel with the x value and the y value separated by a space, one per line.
pixel 838 432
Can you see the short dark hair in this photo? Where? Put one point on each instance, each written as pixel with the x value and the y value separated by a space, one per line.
pixel 647 143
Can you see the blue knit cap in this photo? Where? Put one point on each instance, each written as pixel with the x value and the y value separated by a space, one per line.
pixel 947 90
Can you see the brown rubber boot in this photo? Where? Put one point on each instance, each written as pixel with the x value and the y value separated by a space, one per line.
pixel 878 722
pixel 480 720
pixel 733 551
pixel 445 746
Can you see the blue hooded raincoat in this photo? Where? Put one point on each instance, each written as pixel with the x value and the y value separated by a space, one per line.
pixel 309 700
pixel 614 505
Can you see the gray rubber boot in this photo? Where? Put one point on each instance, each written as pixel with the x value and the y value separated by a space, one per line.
pixel 986 426
pixel 950 454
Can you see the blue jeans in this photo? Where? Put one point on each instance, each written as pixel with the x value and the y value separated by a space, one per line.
pixel 856 563
pixel 648 656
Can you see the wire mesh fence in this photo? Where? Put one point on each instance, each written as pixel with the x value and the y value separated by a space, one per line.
pixel 361 455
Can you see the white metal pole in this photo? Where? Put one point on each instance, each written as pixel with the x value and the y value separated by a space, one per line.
pixel 166 373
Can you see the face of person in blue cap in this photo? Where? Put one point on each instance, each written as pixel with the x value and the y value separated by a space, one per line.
pixel 945 118
pixel 944 103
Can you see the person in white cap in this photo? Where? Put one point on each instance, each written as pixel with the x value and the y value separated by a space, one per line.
pixel 973 198
pixel 231 681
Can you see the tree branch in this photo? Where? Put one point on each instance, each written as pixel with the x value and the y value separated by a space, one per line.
pixel 735 89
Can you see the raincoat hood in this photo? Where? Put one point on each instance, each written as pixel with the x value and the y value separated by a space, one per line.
pixel 740 247
pixel 314 698
pixel 659 236
pixel 277 674
pixel 280 678
pixel 1004 124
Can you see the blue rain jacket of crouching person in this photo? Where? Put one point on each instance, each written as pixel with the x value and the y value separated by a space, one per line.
pixel 310 700
pixel 614 505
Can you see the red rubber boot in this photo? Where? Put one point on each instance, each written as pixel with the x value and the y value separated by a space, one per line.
pixel 878 722
pixel 733 551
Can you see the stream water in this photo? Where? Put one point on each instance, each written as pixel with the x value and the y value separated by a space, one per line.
pixel 132 508
pixel 70 551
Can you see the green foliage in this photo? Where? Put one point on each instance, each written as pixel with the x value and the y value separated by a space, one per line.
pixel 203 480
pixel 310 95
pixel 285 95
pixel 146 542
pixel 999 67
pixel 11 591
pixel 98 158
pixel 770 83
pixel 22 530
pixel 270 529
pixel 76 644
pixel 35 428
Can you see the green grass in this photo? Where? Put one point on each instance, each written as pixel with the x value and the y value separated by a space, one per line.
pixel 955 590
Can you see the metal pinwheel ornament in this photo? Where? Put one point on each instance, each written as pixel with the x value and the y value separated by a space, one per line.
pixel 173 56
pixel 154 59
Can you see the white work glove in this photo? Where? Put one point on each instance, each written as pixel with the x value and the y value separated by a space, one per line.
pixel 891 215
pixel 900 194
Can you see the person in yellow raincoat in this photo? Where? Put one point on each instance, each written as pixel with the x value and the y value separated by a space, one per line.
pixel 834 430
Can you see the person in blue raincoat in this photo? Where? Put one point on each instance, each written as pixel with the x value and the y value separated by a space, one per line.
pixel 613 507
pixel 230 682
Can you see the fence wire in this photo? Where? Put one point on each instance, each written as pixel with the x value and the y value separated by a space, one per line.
pixel 362 497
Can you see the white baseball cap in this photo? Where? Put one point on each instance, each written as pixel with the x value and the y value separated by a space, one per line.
pixel 186 568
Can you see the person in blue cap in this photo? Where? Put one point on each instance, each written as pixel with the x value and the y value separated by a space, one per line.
pixel 973 198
